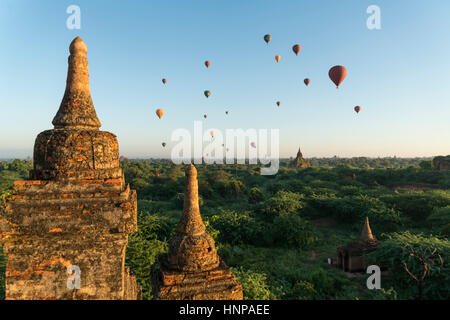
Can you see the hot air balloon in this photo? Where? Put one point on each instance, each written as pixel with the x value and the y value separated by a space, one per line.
pixel 205 116
pixel 277 57
pixel 212 133
pixel 253 145
pixel 160 113
pixel 207 93
pixel 357 109
pixel 296 48
pixel 226 112
pixel 267 38
pixel 278 103
pixel 207 63
pixel 337 74
pixel 164 80
pixel 163 144
pixel 307 81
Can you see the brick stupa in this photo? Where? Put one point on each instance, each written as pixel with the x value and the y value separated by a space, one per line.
pixel 299 161
pixel 75 211
pixel 192 269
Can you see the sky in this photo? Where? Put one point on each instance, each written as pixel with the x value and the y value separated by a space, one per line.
pixel 398 74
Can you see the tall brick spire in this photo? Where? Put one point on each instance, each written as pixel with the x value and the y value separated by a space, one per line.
pixel 76 109
pixel 191 222
pixel 192 248
pixel 192 270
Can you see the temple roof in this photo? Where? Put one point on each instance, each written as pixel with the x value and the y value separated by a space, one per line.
pixel 366 234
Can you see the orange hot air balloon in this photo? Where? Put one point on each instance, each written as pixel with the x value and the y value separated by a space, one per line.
pixel 277 57
pixel 160 113
pixel 205 116
pixel 212 133
pixel 278 103
pixel 307 81
pixel 207 63
pixel 357 109
pixel 337 74
pixel 164 80
pixel 296 48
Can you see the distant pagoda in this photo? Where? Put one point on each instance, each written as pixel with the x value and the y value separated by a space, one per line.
pixel 351 257
pixel 73 217
pixel 299 161
pixel 192 269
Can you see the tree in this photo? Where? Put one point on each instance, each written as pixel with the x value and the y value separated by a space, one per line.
pixel 426 260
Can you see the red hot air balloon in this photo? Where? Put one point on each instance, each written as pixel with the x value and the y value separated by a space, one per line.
pixel 307 81
pixel 207 63
pixel 337 74
pixel 164 80
pixel 296 48
pixel 278 103
pixel 357 109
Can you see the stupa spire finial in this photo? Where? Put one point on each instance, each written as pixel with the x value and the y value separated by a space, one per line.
pixel 76 109
pixel 191 222
pixel 366 233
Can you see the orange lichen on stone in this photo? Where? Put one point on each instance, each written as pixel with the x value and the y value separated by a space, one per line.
pixel 56 230
pixel 27 182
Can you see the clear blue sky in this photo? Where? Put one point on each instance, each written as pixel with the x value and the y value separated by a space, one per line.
pixel 399 74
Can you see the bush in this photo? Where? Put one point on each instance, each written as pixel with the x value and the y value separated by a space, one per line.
pixel 353 209
pixel 237 228
pixel 440 220
pixel 426 164
pixel 283 202
pixel 418 205
pixel 230 187
pixel 292 231
pixel 254 284
pixel 143 249
pixel 255 195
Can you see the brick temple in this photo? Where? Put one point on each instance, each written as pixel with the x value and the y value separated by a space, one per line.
pixel 73 217
pixel 351 258
pixel 192 269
